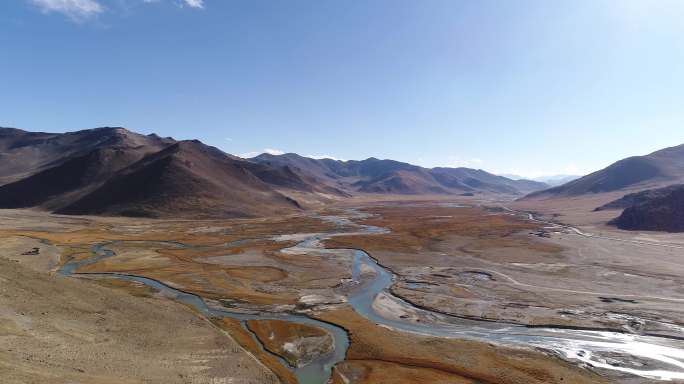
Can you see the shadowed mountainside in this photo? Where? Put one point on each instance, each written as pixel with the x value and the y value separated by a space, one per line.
pixel 25 153
pixel 187 177
pixel 117 172
pixel 652 210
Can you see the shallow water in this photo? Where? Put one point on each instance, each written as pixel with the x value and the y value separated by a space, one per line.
pixel 316 372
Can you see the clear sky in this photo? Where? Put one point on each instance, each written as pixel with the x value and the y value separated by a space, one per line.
pixel 526 87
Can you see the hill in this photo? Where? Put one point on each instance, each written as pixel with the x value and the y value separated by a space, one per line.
pixel 635 173
pixel 188 178
pixel 394 177
pixel 653 210
pixel 114 171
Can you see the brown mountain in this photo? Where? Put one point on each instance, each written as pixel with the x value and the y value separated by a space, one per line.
pixel 636 173
pixel 187 178
pixel 113 171
pixel 117 172
pixel 25 153
pixel 653 210
pixel 388 176
pixel 67 166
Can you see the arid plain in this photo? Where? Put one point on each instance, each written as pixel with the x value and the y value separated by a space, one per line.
pixel 277 294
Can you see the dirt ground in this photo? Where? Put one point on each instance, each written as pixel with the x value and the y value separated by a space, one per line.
pixel 56 329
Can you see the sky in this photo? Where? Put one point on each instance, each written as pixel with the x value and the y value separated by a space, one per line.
pixel 518 87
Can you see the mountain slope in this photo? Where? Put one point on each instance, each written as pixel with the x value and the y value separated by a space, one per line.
pixel 185 179
pixel 25 153
pixel 654 210
pixel 113 171
pixel 388 176
pixel 657 169
pixel 117 172
pixel 69 178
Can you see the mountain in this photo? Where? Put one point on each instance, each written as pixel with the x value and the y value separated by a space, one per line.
pixel 551 180
pixel 187 178
pixel 66 166
pixel 653 210
pixel 393 177
pixel 25 153
pixel 117 172
pixel 556 180
pixel 635 173
pixel 113 171
pixel 637 198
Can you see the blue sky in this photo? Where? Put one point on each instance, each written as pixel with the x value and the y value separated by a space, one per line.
pixel 525 87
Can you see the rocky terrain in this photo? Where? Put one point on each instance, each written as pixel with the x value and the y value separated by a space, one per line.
pixel 652 210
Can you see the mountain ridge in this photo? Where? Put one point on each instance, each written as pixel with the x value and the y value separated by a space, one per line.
pixel 657 169
pixel 114 171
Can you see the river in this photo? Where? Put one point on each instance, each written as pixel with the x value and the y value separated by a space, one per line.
pixel 656 358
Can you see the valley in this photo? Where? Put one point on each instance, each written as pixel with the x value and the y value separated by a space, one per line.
pixel 341 192
pixel 530 301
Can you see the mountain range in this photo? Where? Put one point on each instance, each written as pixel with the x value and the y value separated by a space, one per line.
pixel 636 173
pixel 113 171
pixel 550 180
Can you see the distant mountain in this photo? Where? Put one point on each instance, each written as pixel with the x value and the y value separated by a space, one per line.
pixel 551 180
pixel 653 210
pixel 389 176
pixel 556 180
pixel 657 169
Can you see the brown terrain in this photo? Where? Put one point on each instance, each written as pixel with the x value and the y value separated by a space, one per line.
pixel 223 230
pixel 438 360
pixel 298 344
pixel 461 261
pixel 57 329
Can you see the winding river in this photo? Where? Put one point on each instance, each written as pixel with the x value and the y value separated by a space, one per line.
pixel 651 357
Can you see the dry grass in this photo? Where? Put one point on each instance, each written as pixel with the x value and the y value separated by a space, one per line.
pixel 462 359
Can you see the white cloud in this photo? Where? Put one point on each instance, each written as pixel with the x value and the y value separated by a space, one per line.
pixel 318 157
pixel 270 151
pixel 74 9
pixel 195 3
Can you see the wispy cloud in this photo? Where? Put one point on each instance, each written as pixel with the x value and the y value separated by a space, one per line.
pixel 318 157
pixel 81 10
pixel 195 3
pixel 270 151
pixel 76 10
